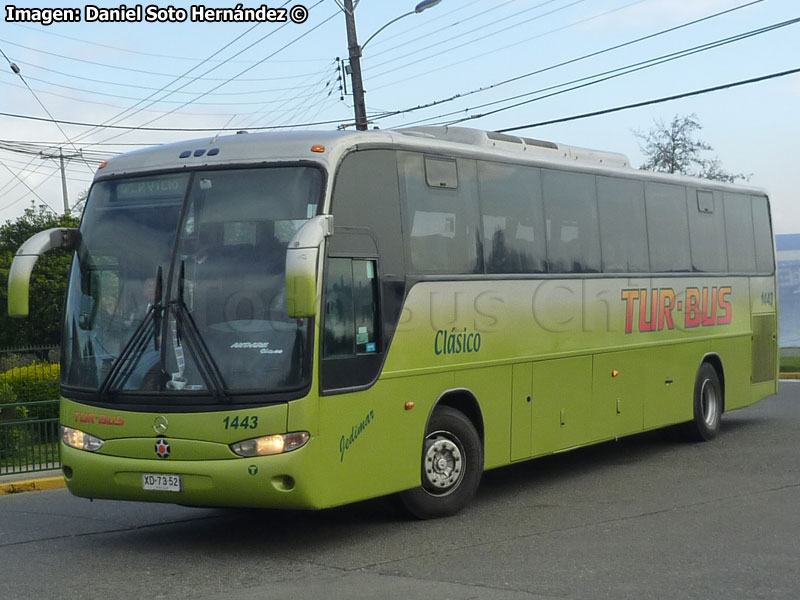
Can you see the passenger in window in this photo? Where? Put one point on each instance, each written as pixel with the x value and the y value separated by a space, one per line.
pixel 135 300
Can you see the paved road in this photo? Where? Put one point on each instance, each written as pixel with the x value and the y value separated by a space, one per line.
pixel 640 518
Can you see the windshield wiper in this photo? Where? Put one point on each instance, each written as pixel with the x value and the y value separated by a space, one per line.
pixel 187 329
pixel 134 349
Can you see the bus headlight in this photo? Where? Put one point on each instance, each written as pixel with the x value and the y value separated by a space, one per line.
pixel 271 444
pixel 75 438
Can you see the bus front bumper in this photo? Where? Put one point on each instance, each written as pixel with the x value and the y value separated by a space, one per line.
pixel 278 481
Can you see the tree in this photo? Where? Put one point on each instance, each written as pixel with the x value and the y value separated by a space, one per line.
pixel 673 148
pixel 48 281
pixel 80 205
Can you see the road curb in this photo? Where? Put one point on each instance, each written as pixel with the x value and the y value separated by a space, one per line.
pixel 32 485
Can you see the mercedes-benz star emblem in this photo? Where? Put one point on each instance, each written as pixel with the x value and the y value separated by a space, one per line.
pixel 160 425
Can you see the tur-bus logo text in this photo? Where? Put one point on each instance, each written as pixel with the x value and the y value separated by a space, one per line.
pixel 659 308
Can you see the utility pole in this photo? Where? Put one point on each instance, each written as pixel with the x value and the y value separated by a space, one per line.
pixel 354 49
pixel 355 67
pixel 61 158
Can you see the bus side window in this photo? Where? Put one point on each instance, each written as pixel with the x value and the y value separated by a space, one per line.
pixel 513 222
pixel 338 336
pixel 667 228
pixel 765 254
pixel 350 339
pixel 707 231
pixel 365 296
pixel 739 233
pixel 570 209
pixel 440 204
pixel 623 226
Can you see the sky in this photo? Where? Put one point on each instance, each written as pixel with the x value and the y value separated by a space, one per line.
pixel 487 64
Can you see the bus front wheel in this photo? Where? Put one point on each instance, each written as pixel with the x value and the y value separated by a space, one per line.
pixel 452 464
pixel 707 406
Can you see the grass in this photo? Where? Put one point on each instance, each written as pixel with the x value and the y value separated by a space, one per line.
pixel 790 364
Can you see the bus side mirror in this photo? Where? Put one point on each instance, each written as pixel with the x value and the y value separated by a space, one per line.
pixel 19 276
pixel 302 257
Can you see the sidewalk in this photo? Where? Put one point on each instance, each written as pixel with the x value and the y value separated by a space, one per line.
pixel 31 482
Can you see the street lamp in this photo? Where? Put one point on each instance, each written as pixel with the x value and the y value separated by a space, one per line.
pixel 354 49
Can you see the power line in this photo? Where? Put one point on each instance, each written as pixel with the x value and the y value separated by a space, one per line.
pixel 416 76
pixel 324 104
pixel 10 181
pixel 226 124
pixel 150 110
pixel 51 144
pixel 162 101
pixel 118 120
pixel 632 68
pixel 16 70
pixel 477 29
pixel 121 115
pixel 284 100
pixel 306 106
pixel 143 71
pixel 61 158
pixel 610 74
pixel 36 148
pixel 151 54
pixel 33 170
pixel 279 50
pixel 606 111
pixel 384 39
pixel 25 165
pixel 674 55
pixel 169 129
pixel 134 86
pixel 23 182
pixel 441 30
pixel 462 95
pixel 21 198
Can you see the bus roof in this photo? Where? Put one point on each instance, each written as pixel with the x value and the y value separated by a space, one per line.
pixel 293 146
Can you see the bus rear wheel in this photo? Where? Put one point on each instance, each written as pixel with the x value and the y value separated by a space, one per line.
pixel 707 406
pixel 452 465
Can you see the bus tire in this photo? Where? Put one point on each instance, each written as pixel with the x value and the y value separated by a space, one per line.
pixel 707 406
pixel 452 465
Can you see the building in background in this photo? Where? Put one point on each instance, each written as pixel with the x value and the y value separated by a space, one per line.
pixel 788 250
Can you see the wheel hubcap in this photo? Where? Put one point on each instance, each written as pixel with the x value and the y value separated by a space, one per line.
pixel 708 396
pixel 442 463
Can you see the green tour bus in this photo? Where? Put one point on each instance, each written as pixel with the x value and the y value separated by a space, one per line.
pixel 307 319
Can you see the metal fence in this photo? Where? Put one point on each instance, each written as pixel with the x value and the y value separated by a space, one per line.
pixel 29 402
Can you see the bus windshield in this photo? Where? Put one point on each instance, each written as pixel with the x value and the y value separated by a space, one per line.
pixel 178 287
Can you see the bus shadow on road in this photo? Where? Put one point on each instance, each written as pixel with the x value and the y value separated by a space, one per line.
pixel 598 474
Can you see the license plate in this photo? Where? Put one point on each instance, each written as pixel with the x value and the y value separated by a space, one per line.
pixel 155 482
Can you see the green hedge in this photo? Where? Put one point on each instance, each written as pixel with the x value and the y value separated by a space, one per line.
pixel 35 382
pixel 9 396
pixel 12 439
